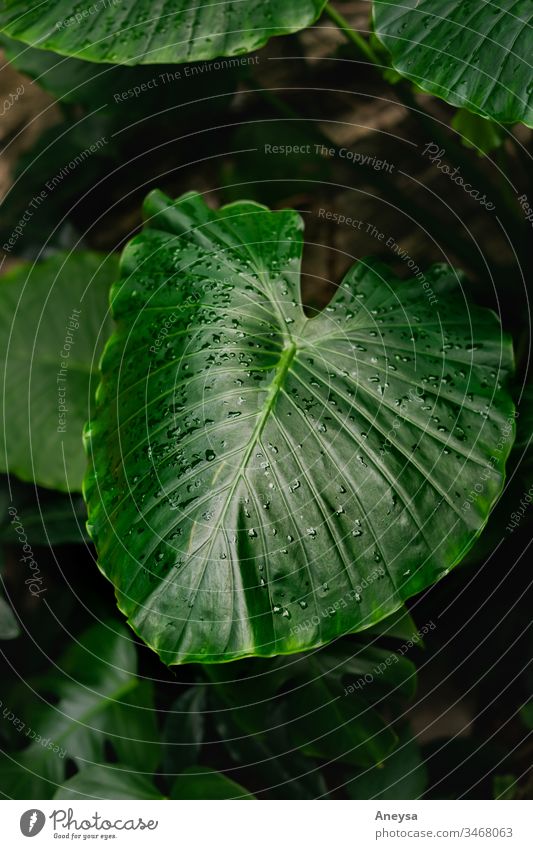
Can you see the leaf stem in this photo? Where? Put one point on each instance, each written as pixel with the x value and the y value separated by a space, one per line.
pixel 352 35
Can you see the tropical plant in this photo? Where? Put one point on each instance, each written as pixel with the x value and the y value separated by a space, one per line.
pixel 275 470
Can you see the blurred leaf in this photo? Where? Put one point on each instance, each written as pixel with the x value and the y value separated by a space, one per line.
pixel 201 783
pixel 53 325
pixel 32 774
pixel 478 133
pixel 263 748
pixel 334 726
pixel 184 730
pixel 48 517
pixel 373 668
pixel 93 698
pixel 9 627
pixel 504 786
pixel 105 781
pixel 126 94
pixel 52 183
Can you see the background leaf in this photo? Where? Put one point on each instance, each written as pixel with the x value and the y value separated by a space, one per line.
pixel 146 32
pixel 93 699
pixel 201 783
pixel 108 782
pixel 402 775
pixel 59 304
pixel 470 53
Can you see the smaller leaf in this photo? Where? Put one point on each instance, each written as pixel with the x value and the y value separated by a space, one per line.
pixel 269 756
pixel 478 133
pixel 94 698
pixel 473 55
pixel 201 783
pixel 32 774
pixel 49 518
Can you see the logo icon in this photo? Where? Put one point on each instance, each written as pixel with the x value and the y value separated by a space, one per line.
pixel 32 822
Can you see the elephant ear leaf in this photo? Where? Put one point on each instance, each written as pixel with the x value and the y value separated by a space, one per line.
pixel 470 53
pixel 144 32
pixel 261 482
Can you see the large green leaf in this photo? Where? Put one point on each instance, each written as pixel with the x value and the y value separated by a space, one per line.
pixel 141 31
pixel 471 53
pixel 53 324
pixel 262 482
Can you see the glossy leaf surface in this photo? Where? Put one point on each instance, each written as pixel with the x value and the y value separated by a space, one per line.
pixel 262 482
pixel 471 53
pixel 143 31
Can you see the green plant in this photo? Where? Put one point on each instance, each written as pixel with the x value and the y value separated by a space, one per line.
pixel 255 466
pixel 278 471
